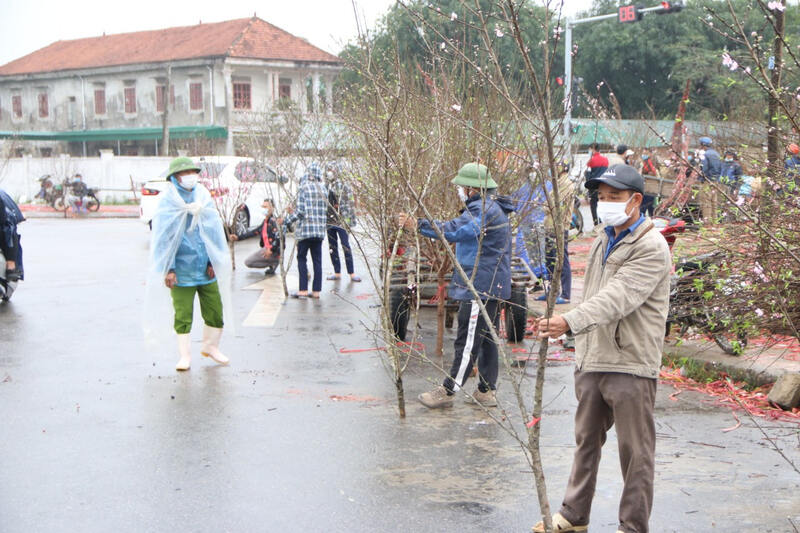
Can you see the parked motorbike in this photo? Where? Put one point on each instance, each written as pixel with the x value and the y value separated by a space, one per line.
pixel 72 192
pixel 50 191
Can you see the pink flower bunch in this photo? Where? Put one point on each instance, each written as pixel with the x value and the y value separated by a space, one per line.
pixel 728 61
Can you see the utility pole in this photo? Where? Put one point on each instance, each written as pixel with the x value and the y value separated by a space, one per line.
pixel 165 126
pixel 625 14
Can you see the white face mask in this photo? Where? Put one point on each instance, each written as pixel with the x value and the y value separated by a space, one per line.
pixel 188 181
pixel 462 194
pixel 613 213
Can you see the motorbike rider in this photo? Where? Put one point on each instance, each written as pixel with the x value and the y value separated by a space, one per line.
pixel 10 216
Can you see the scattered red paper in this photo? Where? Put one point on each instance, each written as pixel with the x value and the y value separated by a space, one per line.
pixel 732 395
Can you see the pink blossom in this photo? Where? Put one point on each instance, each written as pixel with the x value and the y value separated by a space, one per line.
pixel 740 201
pixel 776 6
pixel 455 107
pixel 498 31
pixel 453 16
pixel 759 312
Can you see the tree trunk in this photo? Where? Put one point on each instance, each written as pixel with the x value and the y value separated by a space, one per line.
pixel 774 154
pixel 398 383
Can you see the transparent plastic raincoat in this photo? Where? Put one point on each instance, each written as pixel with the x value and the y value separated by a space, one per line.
pixel 187 229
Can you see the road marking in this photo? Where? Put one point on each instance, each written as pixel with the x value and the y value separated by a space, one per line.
pixel 266 309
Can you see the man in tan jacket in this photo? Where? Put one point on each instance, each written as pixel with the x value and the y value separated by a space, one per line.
pixel 619 334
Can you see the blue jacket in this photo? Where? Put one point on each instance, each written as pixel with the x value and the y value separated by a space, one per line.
pixel 491 276
pixel 712 165
pixel 792 166
pixel 191 259
pixel 731 174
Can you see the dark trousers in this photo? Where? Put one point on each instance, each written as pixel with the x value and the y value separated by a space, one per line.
pixel 648 204
pixel 550 251
pixel 315 245
pixel 474 342
pixel 336 233
pixel 593 206
pixel 605 399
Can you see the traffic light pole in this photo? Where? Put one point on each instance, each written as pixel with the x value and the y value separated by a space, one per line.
pixel 568 60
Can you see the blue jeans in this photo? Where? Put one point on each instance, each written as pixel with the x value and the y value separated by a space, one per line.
pixel 334 233
pixel 315 245
pixel 550 259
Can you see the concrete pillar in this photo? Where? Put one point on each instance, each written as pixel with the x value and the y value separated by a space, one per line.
pixel 229 115
pixel 315 91
pixel 271 88
pixel 302 94
pixel 329 95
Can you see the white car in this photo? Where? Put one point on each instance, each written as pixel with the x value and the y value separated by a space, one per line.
pixel 239 185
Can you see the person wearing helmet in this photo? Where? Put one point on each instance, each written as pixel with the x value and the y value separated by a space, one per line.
pixel 792 164
pixel 731 173
pixel 189 251
pixel 710 170
pixel 482 234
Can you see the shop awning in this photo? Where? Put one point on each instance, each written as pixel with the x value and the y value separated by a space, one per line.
pixel 120 134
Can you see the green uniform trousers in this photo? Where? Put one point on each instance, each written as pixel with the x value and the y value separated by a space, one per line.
pixel 210 306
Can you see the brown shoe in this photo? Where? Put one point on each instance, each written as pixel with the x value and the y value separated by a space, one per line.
pixel 560 525
pixel 486 399
pixel 436 398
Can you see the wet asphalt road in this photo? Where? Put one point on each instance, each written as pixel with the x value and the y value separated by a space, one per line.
pixel 98 434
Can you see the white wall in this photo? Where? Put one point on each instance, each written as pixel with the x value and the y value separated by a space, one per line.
pixel 19 176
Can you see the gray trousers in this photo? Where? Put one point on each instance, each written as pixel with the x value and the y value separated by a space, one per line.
pixel 605 399
pixel 257 260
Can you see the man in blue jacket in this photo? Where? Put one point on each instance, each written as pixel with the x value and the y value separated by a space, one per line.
pixel 711 166
pixel 483 249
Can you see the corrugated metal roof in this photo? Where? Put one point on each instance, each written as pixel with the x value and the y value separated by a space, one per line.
pixel 120 134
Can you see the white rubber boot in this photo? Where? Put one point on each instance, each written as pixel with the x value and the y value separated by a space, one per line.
pixel 210 348
pixel 184 349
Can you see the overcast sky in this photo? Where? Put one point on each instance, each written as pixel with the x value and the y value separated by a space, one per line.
pixel 26 26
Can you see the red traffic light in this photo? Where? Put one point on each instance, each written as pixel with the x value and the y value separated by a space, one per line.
pixel 669 7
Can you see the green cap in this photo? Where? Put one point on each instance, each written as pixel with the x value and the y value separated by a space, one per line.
pixel 474 175
pixel 181 163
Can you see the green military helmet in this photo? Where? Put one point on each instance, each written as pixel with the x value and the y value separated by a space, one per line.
pixel 474 175
pixel 180 164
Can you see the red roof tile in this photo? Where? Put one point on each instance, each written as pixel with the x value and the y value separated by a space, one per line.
pixel 244 38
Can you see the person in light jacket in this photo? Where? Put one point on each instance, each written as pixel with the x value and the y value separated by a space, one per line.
pixel 619 336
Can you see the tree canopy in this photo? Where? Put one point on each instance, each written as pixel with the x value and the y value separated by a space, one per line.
pixel 644 64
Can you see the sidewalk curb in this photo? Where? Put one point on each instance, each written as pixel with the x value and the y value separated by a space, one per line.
pixel 738 367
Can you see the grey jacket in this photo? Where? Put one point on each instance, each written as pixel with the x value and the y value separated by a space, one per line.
pixel 619 326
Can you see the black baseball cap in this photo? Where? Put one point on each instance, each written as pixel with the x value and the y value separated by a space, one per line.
pixel 622 177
